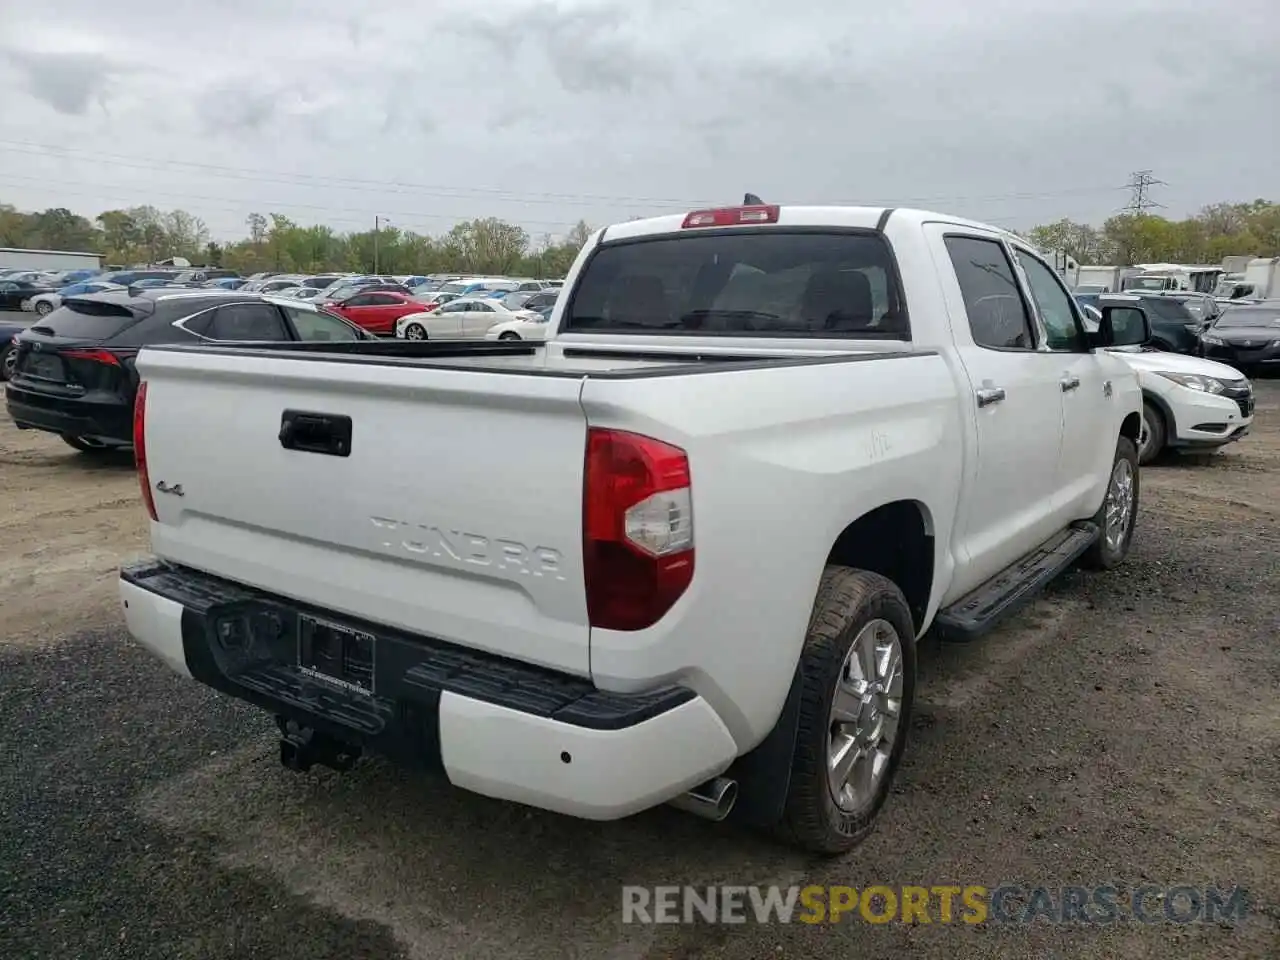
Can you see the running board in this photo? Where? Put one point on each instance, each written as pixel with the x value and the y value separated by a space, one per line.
pixel 1016 585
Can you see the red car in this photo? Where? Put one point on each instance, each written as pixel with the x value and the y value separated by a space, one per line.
pixel 377 312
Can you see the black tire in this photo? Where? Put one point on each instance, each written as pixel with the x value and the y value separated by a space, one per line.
pixel 415 328
pixel 8 358
pixel 1155 432
pixel 44 308
pixel 1103 555
pixel 509 335
pixel 847 601
pixel 87 445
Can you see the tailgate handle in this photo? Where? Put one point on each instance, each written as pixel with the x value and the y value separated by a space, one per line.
pixel 327 433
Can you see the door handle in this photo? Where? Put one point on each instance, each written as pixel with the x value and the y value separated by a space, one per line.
pixel 989 395
pixel 324 433
pixel 1069 383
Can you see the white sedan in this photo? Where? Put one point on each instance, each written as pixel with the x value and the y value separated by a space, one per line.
pixel 1189 404
pixel 524 328
pixel 467 318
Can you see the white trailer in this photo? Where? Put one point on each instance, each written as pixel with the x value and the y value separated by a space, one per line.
pixel 18 258
pixel 1262 276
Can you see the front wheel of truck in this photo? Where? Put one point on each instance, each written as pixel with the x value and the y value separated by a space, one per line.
pixel 1118 513
pixel 858 674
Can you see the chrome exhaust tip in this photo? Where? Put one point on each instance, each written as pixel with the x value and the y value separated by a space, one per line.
pixel 711 800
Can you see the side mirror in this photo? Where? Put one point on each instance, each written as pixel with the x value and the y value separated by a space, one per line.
pixel 1122 327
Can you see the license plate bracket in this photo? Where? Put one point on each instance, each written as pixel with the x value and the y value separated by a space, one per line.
pixel 336 654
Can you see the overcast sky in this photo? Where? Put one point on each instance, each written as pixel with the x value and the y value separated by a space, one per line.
pixel 546 111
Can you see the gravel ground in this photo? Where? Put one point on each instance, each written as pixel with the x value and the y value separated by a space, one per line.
pixel 1123 730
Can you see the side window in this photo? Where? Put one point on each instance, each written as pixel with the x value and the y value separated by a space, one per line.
pixel 359 300
pixel 482 308
pixel 8 287
pixel 313 325
pixel 247 321
pixel 997 314
pixel 382 300
pixel 1054 304
pixel 199 324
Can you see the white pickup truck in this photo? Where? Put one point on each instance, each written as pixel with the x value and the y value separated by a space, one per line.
pixel 681 552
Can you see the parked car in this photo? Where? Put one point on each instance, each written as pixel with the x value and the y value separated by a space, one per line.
pixel 127 278
pixel 202 275
pixel 1189 404
pixel 1174 328
pixel 464 318
pixel 273 284
pixel 1246 335
pixel 376 311
pixel 349 290
pixel 532 325
pixel 15 293
pixel 224 283
pixel 9 331
pixel 298 293
pixel 541 301
pixel 434 300
pixel 920 432
pixel 73 372
pixel 43 303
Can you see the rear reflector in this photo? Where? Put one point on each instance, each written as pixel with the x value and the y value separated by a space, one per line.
pixel 140 448
pixel 732 216
pixel 637 528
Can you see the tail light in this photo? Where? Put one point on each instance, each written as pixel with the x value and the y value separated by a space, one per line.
pixel 637 528
pixel 732 216
pixel 94 356
pixel 140 448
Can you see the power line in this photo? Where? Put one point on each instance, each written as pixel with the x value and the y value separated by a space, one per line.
pixel 33 149
pixel 1140 183
pixel 71 187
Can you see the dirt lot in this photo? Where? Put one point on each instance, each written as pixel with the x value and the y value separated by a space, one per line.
pixel 1124 730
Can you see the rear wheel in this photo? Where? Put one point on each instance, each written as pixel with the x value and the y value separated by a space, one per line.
pixel 8 361
pixel 509 335
pixel 1152 435
pixel 415 331
pixel 44 307
pixel 858 670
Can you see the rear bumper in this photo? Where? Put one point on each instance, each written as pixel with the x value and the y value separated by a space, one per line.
pixel 61 415
pixel 494 726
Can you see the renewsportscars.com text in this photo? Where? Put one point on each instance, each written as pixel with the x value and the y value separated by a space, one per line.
pixel 970 904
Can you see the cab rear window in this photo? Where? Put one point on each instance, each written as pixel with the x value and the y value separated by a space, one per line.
pixel 760 283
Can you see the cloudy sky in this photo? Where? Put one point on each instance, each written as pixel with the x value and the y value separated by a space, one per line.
pixel 546 111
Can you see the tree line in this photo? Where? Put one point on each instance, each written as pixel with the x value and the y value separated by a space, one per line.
pixel 491 246
pixel 275 242
pixel 1217 231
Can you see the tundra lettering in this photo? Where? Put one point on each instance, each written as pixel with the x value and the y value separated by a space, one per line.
pixel 429 540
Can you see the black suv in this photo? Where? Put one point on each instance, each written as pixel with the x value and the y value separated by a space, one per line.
pixel 73 373
pixel 1174 328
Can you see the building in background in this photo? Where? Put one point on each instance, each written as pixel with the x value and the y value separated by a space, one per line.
pixel 13 258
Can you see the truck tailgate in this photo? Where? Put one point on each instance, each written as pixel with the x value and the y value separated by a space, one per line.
pixel 455 513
